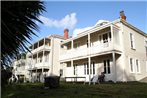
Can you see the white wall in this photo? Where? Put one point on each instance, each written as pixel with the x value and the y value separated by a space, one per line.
pixel 56 53
pixel 137 53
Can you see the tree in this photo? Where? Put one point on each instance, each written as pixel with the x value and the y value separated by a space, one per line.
pixel 18 20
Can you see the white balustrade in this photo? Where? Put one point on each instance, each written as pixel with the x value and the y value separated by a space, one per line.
pixel 41 48
pixel 39 65
pixel 73 53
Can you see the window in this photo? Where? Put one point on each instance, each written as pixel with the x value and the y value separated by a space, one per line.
pixel 134 65
pixel 100 38
pixel 92 68
pixel 108 64
pixel 145 42
pixel 107 69
pixel 69 46
pixel 61 72
pixel 137 66
pixel 84 68
pixel 131 65
pixel 35 60
pixel 23 63
pixel 76 44
pixel 75 69
pixel 87 44
pixel 40 59
pixel 109 36
pixel 93 63
pixel 68 64
pixel 146 50
pixel 46 57
pixel 62 46
pixel 132 41
pixel 104 66
pixel 87 69
pixel 105 38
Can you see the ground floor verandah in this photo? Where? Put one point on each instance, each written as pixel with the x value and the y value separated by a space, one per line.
pixel 93 65
pixel 38 74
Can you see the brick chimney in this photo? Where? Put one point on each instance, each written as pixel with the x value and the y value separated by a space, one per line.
pixel 122 16
pixel 66 33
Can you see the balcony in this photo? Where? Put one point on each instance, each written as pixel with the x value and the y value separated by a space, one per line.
pixel 20 62
pixel 41 48
pixel 38 65
pixel 83 52
pixel 20 72
pixel 42 65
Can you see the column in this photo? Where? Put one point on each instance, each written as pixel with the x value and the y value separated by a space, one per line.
pixel 89 59
pixel 89 62
pixel 42 76
pixel 44 42
pixel 114 66
pixel 37 59
pixel 52 55
pixel 32 46
pixel 42 79
pixel 112 36
pixel 88 40
pixel 72 64
pixel 36 74
pixel 43 58
pixel 31 62
pixel 38 45
pixel 42 70
pixel 72 44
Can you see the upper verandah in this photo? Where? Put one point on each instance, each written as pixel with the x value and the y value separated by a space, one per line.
pixel 45 41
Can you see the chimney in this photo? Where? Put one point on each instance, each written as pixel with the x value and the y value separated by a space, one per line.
pixel 66 33
pixel 122 15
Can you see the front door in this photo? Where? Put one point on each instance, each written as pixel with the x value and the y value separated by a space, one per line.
pixel 108 69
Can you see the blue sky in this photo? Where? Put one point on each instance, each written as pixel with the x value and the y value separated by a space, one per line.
pixel 77 15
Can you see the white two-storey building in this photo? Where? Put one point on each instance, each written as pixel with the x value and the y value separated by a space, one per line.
pixel 116 48
pixel 20 69
pixel 43 58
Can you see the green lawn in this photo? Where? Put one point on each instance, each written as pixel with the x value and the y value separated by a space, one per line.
pixel 69 90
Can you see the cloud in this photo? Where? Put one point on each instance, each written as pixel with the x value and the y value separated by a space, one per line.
pixel 69 21
pixel 80 30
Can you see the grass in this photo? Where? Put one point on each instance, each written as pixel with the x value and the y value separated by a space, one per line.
pixel 69 90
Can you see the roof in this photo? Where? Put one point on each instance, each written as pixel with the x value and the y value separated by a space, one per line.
pixel 93 29
pixel 107 25
pixel 133 27
pixel 56 36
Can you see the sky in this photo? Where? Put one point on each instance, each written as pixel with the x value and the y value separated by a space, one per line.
pixel 77 15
